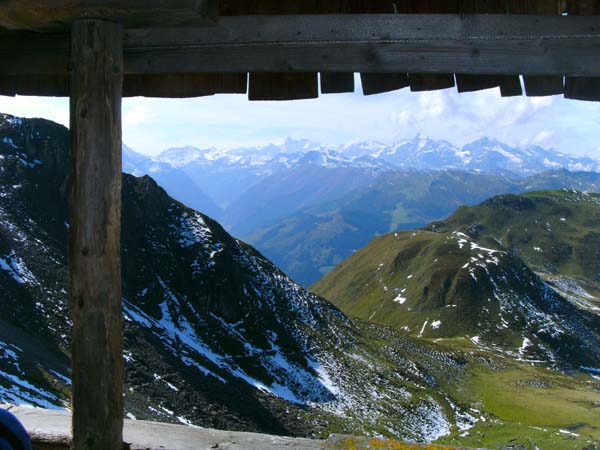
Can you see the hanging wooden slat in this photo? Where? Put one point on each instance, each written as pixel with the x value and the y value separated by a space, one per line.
pixel 336 82
pixel 583 88
pixel 283 86
pixel 377 83
pixel 471 83
pixel 540 85
pixel 510 86
pixel 40 85
pixel 185 85
pixel 430 82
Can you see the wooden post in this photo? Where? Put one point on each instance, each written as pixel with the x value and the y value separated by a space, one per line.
pixel 96 80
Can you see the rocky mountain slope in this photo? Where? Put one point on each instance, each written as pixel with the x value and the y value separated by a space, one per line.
pixel 449 281
pixel 215 334
pixel 310 242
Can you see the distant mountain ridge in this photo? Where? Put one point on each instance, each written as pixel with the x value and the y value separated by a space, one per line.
pixel 311 241
pixel 418 153
pixel 249 189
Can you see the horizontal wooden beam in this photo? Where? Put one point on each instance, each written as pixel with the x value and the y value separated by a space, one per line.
pixel 387 43
pixel 53 15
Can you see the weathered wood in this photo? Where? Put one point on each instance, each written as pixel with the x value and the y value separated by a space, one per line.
pixel 542 86
pixel 539 85
pixel 511 86
pixel 95 233
pixel 336 82
pixel 388 43
pixel 52 15
pixel 186 85
pixel 279 7
pixel 50 85
pixel 376 83
pixel 584 88
pixel 471 83
pixel 430 82
pixel 584 7
pixel 283 86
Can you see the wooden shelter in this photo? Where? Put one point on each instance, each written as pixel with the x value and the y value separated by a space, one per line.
pixel 97 51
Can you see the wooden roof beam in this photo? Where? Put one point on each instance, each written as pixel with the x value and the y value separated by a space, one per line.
pixel 475 44
pixel 52 15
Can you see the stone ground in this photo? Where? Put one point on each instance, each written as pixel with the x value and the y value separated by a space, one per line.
pixel 50 430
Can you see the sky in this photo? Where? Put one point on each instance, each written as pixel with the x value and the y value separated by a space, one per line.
pixel 153 125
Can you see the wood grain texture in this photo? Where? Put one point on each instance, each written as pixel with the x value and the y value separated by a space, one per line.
pixel 54 15
pixel 375 43
pixel 95 235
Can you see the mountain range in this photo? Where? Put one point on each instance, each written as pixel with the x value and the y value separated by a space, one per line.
pixel 216 335
pixel 307 206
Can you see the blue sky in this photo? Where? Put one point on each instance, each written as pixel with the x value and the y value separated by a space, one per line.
pixel 152 125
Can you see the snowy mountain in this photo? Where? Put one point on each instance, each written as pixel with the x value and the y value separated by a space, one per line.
pixel 215 334
pixel 483 155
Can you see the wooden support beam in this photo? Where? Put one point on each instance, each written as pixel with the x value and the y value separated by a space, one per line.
pixel 95 235
pixel 431 45
pixel 375 43
pixel 52 15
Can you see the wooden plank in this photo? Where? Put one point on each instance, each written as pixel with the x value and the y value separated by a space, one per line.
pixel 539 86
pixel 283 86
pixel 582 88
pixel 336 82
pixel 486 44
pixel 186 85
pixel 430 82
pixel 95 235
pixel 49 85
pixel 52 15
pixel 583 7
pixel 289 7
pixel 471 83
pixel 377 83
pixel 388 43
pixel 510 86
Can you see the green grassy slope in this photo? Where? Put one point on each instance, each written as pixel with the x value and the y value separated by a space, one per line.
pixel 457 281
pixel 557 233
